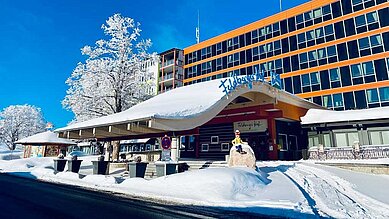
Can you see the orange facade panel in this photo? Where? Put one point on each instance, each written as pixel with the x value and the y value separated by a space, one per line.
pixel 290 111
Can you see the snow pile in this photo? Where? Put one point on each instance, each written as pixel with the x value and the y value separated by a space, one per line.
pixel 207 185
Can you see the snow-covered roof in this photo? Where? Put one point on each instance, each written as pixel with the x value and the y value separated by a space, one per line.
pixel 186 107
pixel 45 138
pixel 317 116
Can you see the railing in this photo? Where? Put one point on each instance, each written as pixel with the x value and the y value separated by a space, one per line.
pixel 363 152
pixel 170 76
pixel 168 62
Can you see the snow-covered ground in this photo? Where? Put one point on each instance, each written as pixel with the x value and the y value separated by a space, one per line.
pixel 291 189
pixel 6 154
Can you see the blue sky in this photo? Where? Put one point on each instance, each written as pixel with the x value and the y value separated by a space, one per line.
pixel 40 40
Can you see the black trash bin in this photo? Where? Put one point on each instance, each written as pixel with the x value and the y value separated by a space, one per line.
pixel 59 165
pixel 74 165
pixel 137 169
pixel 164 169
pixel 304 153
pixel 100 167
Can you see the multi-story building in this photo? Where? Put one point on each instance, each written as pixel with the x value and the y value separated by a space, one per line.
pixel 332 52
pixel 150 67
pixel 171 71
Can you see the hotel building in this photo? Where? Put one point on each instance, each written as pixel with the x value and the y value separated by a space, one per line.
pixel 330 54
pixel 333 53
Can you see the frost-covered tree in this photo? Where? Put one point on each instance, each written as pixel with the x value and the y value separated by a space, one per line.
pixel 20 121
pixel 110 80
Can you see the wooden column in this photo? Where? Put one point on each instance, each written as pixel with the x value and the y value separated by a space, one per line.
pixel 273 154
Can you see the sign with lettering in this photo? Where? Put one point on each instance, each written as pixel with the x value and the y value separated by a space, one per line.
pixel 166 143
pixel 230 84
pixel 251 126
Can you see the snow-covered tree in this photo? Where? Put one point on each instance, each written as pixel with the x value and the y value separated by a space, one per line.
pixel 110 80
pixel 20 121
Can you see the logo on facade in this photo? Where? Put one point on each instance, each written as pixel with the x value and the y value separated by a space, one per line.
pixel 230 84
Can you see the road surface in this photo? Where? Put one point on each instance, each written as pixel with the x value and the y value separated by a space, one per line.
pixel 27 198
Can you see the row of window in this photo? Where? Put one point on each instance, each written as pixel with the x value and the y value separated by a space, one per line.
pixel 362 99
pixel 306 19
pixel 331 54
pixel 348 138
pixel 302 40
pixel 360 73
pixel 223 147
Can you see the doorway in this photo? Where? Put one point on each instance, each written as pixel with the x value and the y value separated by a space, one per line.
pixel 260 146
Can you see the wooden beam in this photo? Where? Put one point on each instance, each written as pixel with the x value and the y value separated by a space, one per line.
pixel 141 128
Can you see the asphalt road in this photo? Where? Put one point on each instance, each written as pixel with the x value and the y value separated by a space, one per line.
pixel 28 198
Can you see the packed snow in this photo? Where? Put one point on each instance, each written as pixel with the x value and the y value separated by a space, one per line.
pixel 280 188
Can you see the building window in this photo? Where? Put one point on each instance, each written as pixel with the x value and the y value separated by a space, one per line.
pixel 204 147
pixel 372 96
pixel 338 100
pixel 379 137
pixel 225 146
pixel 346 139
pixel 368 68
pixel 356 71
pixel 327 101
pixel 305 80
pixel 303 57
pixel 313 141
pixel 376 40
pixel 363 43
pixel 327 140
pixel 372 17
pixel 215 140
pixel 384 94
pixel 315 78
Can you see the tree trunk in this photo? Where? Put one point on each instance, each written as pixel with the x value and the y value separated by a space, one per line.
pixel 116 149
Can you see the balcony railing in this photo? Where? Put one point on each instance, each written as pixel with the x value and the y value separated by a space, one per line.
pixel 362 152
pixel 170 76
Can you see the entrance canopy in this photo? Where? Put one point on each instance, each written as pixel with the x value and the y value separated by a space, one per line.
pixel 180 109
pixel 320 116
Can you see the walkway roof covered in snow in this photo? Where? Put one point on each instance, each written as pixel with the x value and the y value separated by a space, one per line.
pixel 180 109
pixel 320 116
pixel 45 138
